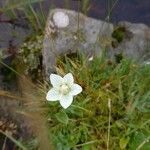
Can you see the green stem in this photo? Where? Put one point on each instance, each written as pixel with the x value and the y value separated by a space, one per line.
pixel 142 144
pixel 82 109
pixel 10 68
pixel 87 143
pixel 109 120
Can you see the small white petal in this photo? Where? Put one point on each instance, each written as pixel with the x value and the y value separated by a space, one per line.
pixel 147 63
pixel 56 80
pixel 53 95
pixel 91 58
pixel 69 79
pixel 75 89
pixel 66 101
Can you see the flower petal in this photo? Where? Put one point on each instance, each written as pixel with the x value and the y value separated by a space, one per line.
pixel 75 89
pixel 69 79
pixel 53 95
pixel 56 80
pixel 66 101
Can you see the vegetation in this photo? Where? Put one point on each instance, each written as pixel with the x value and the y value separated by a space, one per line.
pixel 119 92
pixel 111 113
pixel 31 56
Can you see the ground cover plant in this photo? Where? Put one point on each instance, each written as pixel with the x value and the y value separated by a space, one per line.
pixel 112 111
pixel 119 92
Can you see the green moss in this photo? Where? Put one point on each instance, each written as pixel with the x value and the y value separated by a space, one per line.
pixel 31 56
pixel 119 34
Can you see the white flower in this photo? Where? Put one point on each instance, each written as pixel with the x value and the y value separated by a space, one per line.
pixel 91 58
pixel 147 63
pixel 61 20
pixel 63 89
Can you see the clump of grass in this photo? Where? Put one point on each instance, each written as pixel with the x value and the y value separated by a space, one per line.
pixel 35 112
pixel 85 123
pixel 111 112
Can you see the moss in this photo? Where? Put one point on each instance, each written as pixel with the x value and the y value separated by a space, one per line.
pixel 31 56
pixel 119 57
pixel 119 34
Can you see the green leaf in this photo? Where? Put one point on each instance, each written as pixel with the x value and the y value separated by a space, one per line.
pixel 144 103
pixel 86 147
pixel 62 117
pixel 123 142
pixel 139 140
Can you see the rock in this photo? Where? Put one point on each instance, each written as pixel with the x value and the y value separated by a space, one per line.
pixel 83 35
pixel 136 42
pixel 11 34
pixel 90 36
pixel 12 30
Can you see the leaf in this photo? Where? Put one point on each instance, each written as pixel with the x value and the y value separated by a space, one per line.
pixel 144 103
pixel 86 147
pixel 62 117
pixel 140 141
pixel 123 142
pixel 121 94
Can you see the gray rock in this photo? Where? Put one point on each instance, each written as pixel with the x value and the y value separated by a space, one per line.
pixel 137 45
pixel 82 35
pixel 10 33
pixel 91 37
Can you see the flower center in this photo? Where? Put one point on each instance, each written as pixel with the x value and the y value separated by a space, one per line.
pixel 64 89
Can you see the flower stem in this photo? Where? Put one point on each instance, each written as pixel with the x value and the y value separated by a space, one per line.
pixel 109 120
pixel 87 143
pixel 144 142
pixel 82 109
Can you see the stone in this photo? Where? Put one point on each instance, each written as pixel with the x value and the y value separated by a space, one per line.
pixel 11 38
pixel 91 36
pixel 12 31
pixel 11 34
pixel 82 34
pixel 136 44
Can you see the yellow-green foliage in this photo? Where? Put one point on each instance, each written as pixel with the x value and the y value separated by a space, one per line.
pixel 85 123
pixel 31 56
pixel 119 92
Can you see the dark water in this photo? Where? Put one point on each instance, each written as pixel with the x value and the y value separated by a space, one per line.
pixel 136 11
